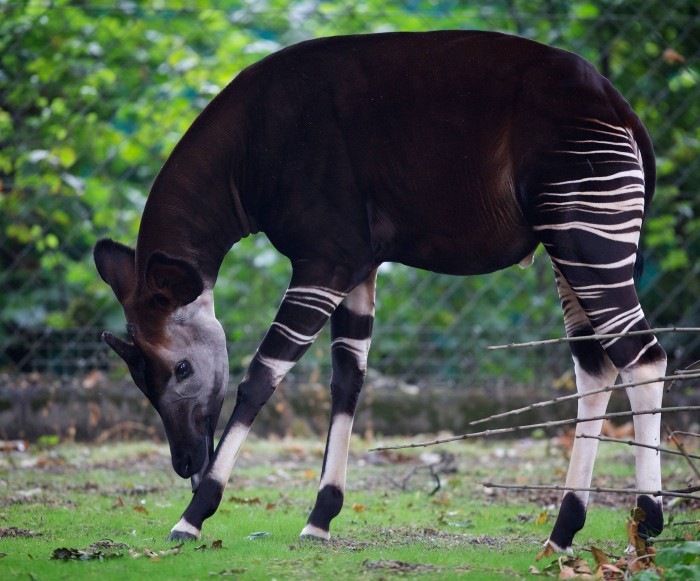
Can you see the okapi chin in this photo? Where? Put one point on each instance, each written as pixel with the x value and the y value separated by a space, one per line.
pixel 457 152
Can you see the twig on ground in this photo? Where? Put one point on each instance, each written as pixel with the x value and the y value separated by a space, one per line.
pixel 595 337
pixel 434 472
pixel 633 443
pixel 685 522
pixel 591 489
pixel 551 424
pixel 681 449
pixel 575 396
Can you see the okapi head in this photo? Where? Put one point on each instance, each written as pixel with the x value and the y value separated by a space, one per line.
pixel 177 356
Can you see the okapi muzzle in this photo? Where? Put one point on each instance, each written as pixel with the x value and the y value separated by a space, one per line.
pixel 177 356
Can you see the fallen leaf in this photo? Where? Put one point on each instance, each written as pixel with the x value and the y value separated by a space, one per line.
pixel 240 500
pixel 255 536
pixel 309 474
pixel 141 509
pixel 358 507
pixel 546 552
pixel 599 556
pixel 542 518
pixel 219 544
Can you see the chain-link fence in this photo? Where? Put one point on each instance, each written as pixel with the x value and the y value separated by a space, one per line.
pixel 93 96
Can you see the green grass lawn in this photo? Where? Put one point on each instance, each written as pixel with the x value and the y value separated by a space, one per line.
pixel 122 499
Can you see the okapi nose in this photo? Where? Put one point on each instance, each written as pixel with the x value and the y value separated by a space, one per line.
pixel 182 464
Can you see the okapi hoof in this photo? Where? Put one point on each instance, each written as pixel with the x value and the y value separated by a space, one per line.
pixel 181 536
pixel 551 548
pixel 184 531
pixel 314 534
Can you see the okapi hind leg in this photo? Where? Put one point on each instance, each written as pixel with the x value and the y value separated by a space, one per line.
pixel 351 335
pixel 647 431
pixel 307 305
pixel 593 370
pixel 588 214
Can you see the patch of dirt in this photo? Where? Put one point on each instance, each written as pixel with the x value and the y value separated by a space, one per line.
pixel 394 566
pixel 14 532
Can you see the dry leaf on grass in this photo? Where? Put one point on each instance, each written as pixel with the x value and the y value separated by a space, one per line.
pixel 239 500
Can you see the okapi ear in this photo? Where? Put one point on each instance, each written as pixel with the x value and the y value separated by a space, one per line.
pixel 116 265
pixel 172 281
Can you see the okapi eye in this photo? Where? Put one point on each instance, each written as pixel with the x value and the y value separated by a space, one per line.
pixel 182 369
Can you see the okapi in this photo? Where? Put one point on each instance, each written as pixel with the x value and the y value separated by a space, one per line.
pixel 456 152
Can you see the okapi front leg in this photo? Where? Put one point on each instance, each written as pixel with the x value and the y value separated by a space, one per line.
pixel 301 316
pixel 351 334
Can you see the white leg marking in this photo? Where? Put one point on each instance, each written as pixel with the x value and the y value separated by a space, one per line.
pixel 557 548
pixel 312 531
pixel 227 452
pixel 358 347
pixel 278 367
pixel 584 451
pixel 647 428
pixel 337 455
pixel 293 335
pixel 184 527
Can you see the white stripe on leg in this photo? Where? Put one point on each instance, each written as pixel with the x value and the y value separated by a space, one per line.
pixel 338 448
pixel 647 428
pixel 226 454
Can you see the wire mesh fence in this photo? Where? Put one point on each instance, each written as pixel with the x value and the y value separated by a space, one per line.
pixel 94 95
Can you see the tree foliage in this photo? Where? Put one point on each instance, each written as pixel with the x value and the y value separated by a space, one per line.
pixel 94 95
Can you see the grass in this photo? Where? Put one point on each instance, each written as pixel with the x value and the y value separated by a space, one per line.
pixel 125 497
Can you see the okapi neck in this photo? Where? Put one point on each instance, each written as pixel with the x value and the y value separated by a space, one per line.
pixel 192 220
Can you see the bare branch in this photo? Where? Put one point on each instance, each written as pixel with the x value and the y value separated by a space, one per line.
pixel 633 443
pixel 681 449
pixel 552 424
pixel 575 396
pixel 691 434
pixel 595 337
pixel 671 493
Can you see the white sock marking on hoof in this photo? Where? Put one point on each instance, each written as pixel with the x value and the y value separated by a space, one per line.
pixel 312 531
pixel 184 527
pixel 557 549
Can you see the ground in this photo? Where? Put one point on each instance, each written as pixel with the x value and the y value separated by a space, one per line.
pixel 107 509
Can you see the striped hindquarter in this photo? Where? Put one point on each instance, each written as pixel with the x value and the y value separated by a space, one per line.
pixel 589 217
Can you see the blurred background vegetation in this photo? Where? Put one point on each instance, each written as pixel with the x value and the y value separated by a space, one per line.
pixel 94 94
